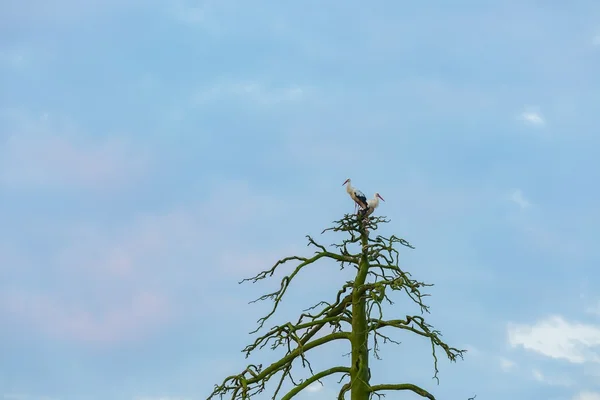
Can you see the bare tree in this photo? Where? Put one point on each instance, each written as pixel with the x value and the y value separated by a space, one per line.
pixel 353 317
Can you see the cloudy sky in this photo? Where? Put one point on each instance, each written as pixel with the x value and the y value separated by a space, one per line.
pixel 153 153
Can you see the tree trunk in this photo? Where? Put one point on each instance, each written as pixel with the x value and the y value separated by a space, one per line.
pixel 359 372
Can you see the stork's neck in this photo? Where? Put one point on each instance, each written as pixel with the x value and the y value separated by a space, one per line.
pixel 375 202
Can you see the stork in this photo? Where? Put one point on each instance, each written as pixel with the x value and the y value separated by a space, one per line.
pixel 359 198
pixel 372 204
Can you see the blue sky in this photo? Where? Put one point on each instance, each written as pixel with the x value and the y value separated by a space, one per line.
pixel 153 153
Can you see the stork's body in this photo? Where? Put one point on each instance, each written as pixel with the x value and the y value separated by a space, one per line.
pixel 372 204
pixel 359 198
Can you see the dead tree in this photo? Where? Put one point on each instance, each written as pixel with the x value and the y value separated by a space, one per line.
pixel 355 315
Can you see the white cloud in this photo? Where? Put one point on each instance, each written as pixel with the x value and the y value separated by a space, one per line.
pixel 556 338
pixel 518 198
pixel 587 396
pixel 532 117
pixel 506 364
pixel 540 377
pixel 314 387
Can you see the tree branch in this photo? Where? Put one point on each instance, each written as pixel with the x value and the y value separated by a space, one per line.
pixel 243 383
pixel 403 386
pixel 345 388
pixel 425 331
pixel 314 378
pixel 277 295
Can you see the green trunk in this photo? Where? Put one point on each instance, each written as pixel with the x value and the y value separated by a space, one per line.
pixel 360 351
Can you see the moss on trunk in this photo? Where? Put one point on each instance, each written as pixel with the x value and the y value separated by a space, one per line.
pixel 360 335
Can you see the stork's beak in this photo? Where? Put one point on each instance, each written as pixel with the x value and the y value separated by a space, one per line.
pixel 346 181
pixel 378 195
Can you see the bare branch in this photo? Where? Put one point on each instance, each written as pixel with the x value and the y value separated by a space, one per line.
pixel 422 329
pixel 314 378
pixel 345 388
pixel 258 378
pixel 403 386
pixel 277 295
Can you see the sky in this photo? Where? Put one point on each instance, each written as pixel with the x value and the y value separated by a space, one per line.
pixel 154 153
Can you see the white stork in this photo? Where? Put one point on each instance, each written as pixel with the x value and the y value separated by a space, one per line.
pixel 359 198
pixel 372 204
